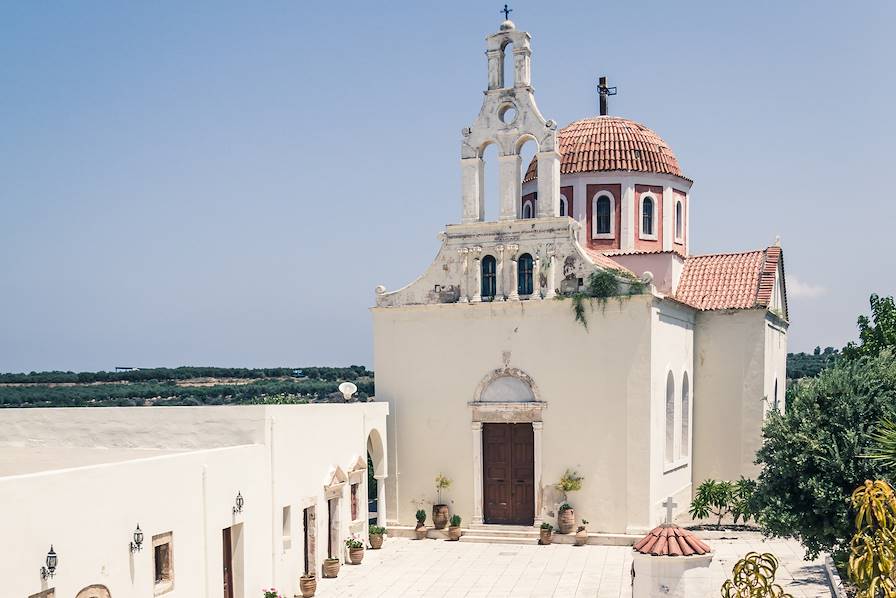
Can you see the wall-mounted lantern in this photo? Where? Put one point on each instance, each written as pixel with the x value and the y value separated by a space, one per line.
pixel 137 543
pixel 50 569
pixel 238 507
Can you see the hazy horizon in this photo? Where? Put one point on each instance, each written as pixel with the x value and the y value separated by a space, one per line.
pixel 225 184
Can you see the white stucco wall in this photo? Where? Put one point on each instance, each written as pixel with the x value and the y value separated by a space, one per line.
pixel 672 351
pixel 284 456
pixel 730 389
pixel 429 360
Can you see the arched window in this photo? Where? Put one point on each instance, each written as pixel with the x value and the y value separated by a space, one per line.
pixel 564 206
pixel 489 286
pixel 670 418
pixel 524 277
pixel 775 404
pixel 603 215
pixel 685 416
pixel 527 209
pixel 647 216
pixel 679 221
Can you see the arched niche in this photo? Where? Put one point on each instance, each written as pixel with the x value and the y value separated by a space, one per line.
pixel 94 591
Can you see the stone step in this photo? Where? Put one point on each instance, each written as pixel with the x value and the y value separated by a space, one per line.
pixel 494 526
pixel 530 533
pixel 479 539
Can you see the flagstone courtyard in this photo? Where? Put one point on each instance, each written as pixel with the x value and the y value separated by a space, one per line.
pixel 437 568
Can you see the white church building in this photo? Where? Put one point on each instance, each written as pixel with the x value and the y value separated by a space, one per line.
pixel 494 383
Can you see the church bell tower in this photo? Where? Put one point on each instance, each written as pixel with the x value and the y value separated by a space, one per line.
pixel 509 118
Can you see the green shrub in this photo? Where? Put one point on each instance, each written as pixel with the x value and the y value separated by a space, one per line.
pixel 455 521
pixel 376 530
pixel 547 526
pixel 565 507
pixel 811 455
pixel 421 516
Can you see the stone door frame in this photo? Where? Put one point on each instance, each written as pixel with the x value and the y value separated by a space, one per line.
pixel 491 412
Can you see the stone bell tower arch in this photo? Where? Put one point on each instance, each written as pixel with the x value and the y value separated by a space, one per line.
pixel 509 118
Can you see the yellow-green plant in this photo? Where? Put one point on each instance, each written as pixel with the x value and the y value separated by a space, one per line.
pixel 872 550
pixel 570 481
pixel 441 484
pixel 754 577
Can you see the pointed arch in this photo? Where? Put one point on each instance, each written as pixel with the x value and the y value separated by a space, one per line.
pixel 685 415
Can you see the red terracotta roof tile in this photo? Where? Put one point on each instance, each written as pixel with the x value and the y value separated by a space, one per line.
pixel 671 540
pixel 600 258
pixel 604 143
pixel 729 280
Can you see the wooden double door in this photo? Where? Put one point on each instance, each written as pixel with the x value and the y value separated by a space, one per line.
pixel 508 473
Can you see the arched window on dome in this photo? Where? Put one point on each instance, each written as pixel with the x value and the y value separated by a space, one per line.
pixel 564 206
pixel 602 212
pixel 648 212
pixel 670 418
pixel 528 211
pixel 524 275
pixel 685 416
pixel 679 221
pixel 489 280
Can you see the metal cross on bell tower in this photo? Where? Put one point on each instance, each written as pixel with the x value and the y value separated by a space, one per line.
pixel 604 91
pixel 506 12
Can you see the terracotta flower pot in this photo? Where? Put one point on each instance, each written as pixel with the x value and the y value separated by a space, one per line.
pixel 581 537
pixel 420 531
pixel 355 555
pixel 376 541
pixel 439 516
pixel 307 585
pixel 454 533
pixel 331 567
pixel 545 536
pixel 566 522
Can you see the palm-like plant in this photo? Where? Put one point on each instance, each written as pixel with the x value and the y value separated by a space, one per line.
pixel 872 550
pixel 884 438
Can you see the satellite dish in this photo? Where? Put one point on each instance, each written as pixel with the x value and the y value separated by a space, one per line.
pixel 348 389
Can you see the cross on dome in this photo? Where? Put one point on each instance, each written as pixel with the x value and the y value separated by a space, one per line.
pixel 506 12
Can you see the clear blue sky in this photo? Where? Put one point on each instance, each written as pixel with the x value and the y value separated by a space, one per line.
pixel 216 183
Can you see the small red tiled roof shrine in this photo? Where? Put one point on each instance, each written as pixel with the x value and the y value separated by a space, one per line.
pixel 669 539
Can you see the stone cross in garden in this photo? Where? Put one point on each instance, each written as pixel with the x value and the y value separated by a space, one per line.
pixel 669 504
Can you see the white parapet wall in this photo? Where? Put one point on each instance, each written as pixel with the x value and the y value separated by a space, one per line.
pixel 82 479
pixel 672 576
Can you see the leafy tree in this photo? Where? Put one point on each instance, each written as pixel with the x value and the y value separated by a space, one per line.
pixel 878 332
pixel 812 454
pixel 806 365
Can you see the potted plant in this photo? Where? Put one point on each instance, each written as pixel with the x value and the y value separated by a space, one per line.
pixel 566 519
pixel 545 534
pixel 582 534
pixel 440 510
pixel 331 567
pixel 272 593
pixel 355 550
pixel 375 533
pixel 420 530
pixel 308 585
pixel 454 528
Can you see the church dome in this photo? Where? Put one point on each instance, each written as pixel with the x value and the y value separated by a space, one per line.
pixel 610 143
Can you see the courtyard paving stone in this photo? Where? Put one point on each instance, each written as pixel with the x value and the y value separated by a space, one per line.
pixel 437 569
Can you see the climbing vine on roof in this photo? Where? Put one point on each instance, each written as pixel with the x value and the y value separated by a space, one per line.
pixel 601 285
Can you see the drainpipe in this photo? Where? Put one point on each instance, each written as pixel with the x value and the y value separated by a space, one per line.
pixel 205 528
pixel 273 510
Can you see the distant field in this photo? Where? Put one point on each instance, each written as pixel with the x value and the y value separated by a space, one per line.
pixel 181 386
